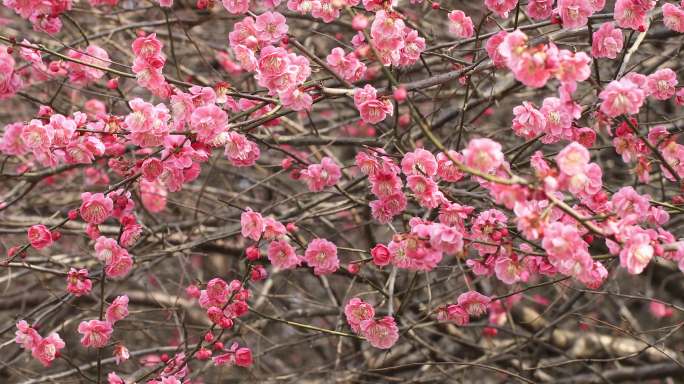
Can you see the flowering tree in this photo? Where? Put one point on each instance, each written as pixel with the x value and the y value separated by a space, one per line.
pixel 341 190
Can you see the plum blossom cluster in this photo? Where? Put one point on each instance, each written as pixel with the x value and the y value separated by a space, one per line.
pixel 468 305
pixel 149 64
pixel 223 302
pixel 283 73
pixel 44 15
pixel 381 332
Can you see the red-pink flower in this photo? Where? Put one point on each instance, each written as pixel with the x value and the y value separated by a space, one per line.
pixel 39 236
pixel 446 169
pixel 95 207
pixel 382 333
pixel 78 282
pixel 454 313
pixel 381 255
pixel 474 303
pixel 321 255
pixel 282 255
pixel 96 333
pixel 208 122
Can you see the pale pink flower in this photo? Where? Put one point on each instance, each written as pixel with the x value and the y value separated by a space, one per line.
pixel 661 84
pixel 673 17
pixel 501 7
pixel 47 349
pixel 321 255
pixel 382 333
pixel 510 270
pixel 78 282
pixel 474 303
pixel 425 190
pixel 637 251
pixel 282 255
pixel 10 81
pixel 386 208
pixel 240 151
pixel 567 251
pixel 320 176
pixel 460 25
pixel 357 311
pixel 632 13
pixel 236 6
pixel 37 137
pixel 419 162
pixel 273 229
pixel 540 9
pixel 208 122
pixel 95 208
pixel 26 336
pixel 252 224
pixel 374 111
pixel 573 159
pixel 621 97
pixel 492 48
pixel 82 74
pixel 572 67
pixel 607 41
pixel 117 310
pixel 446 169
pixel 446 239
pixel 296 99
pixel 575 13
pixel 120 265
pixel 528 121
pixel 484 155
pixel 270 26
pixel 11 143
pixel 113 378
pixel 121 354
pixel 96 333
